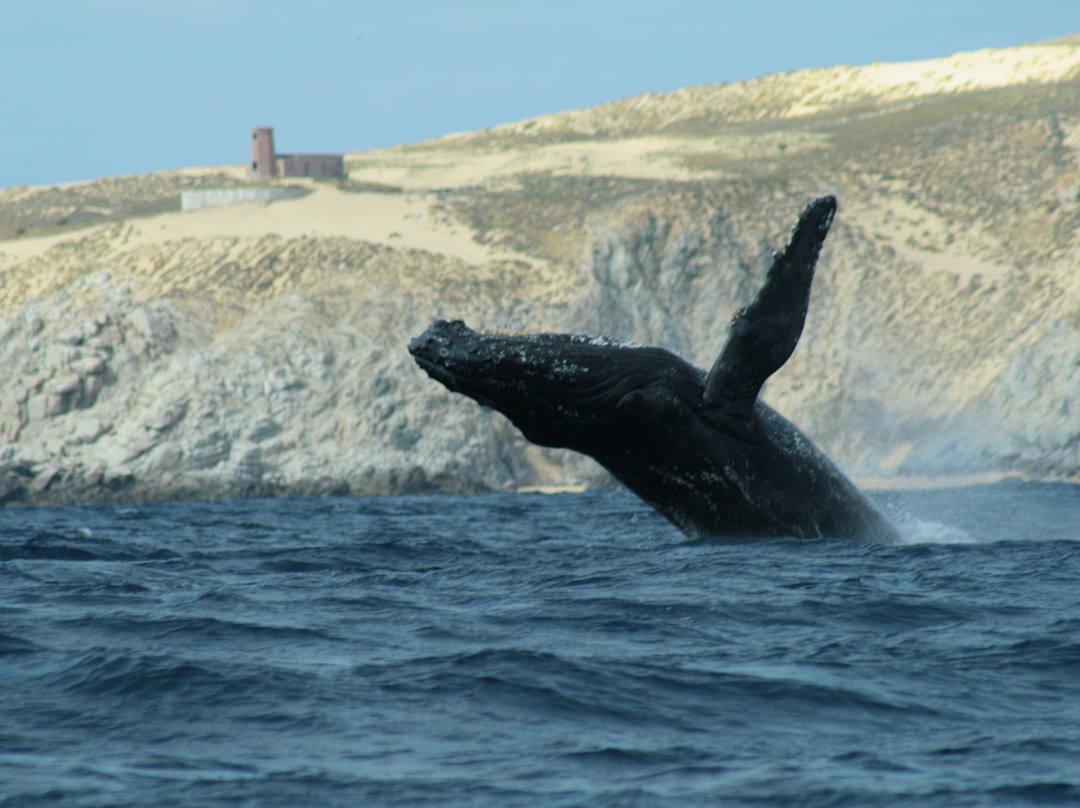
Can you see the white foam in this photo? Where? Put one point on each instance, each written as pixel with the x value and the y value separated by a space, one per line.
pixel 925 531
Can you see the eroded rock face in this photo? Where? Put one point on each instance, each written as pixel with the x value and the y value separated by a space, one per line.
pixel 132 400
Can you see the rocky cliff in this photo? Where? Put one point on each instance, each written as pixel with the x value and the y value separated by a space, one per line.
pixel 259 349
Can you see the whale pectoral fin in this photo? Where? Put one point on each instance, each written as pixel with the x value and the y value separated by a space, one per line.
pixel 765 333
pixel 648 405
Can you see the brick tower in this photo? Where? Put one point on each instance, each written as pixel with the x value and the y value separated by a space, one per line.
pixel 263 162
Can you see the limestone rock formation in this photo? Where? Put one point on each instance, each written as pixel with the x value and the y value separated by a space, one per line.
pixel 259 349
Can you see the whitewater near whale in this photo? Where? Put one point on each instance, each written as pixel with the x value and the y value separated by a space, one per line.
pixel 699 447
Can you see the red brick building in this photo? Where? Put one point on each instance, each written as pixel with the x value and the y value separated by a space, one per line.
pixel 263 163
pixel 266 164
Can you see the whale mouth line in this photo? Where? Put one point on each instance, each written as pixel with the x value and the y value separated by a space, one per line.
pixel 438 372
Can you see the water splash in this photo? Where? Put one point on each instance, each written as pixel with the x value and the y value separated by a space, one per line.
pixel 927 531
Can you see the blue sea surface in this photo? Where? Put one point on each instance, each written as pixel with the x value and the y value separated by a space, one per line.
pixel 521 650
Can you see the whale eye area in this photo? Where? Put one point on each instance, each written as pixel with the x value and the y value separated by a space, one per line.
pixel 648 405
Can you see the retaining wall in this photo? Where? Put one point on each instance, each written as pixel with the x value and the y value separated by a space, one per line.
pixel 190 200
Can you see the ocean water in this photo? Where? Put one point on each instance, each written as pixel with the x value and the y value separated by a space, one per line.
pixel 520 650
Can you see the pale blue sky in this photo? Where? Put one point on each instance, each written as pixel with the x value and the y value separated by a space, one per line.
pixel 105 87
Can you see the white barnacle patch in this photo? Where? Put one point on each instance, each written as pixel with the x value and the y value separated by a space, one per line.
pixel 562 369
pixel 608 342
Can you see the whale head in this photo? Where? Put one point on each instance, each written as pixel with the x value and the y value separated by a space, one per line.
pixel 567 390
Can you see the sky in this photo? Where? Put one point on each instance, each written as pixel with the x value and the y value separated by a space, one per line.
pixel 98 88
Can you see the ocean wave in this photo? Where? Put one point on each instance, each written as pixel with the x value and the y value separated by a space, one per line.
pixel 405 651
pixel 76 546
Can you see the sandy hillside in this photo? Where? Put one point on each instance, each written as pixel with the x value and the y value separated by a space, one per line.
pixel 258 348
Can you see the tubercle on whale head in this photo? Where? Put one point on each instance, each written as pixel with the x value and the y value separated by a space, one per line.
pixel 450 350
pixel 502 372
pixel 435 343
pixel 455 348
pixel 571 383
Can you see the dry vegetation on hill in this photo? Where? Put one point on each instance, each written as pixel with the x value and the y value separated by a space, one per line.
pixel 260 348
pixel 30 211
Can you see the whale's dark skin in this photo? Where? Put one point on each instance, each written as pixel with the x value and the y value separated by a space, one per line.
pixel 700 448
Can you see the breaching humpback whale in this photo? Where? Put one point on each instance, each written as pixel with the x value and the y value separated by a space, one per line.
pixel 699 447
